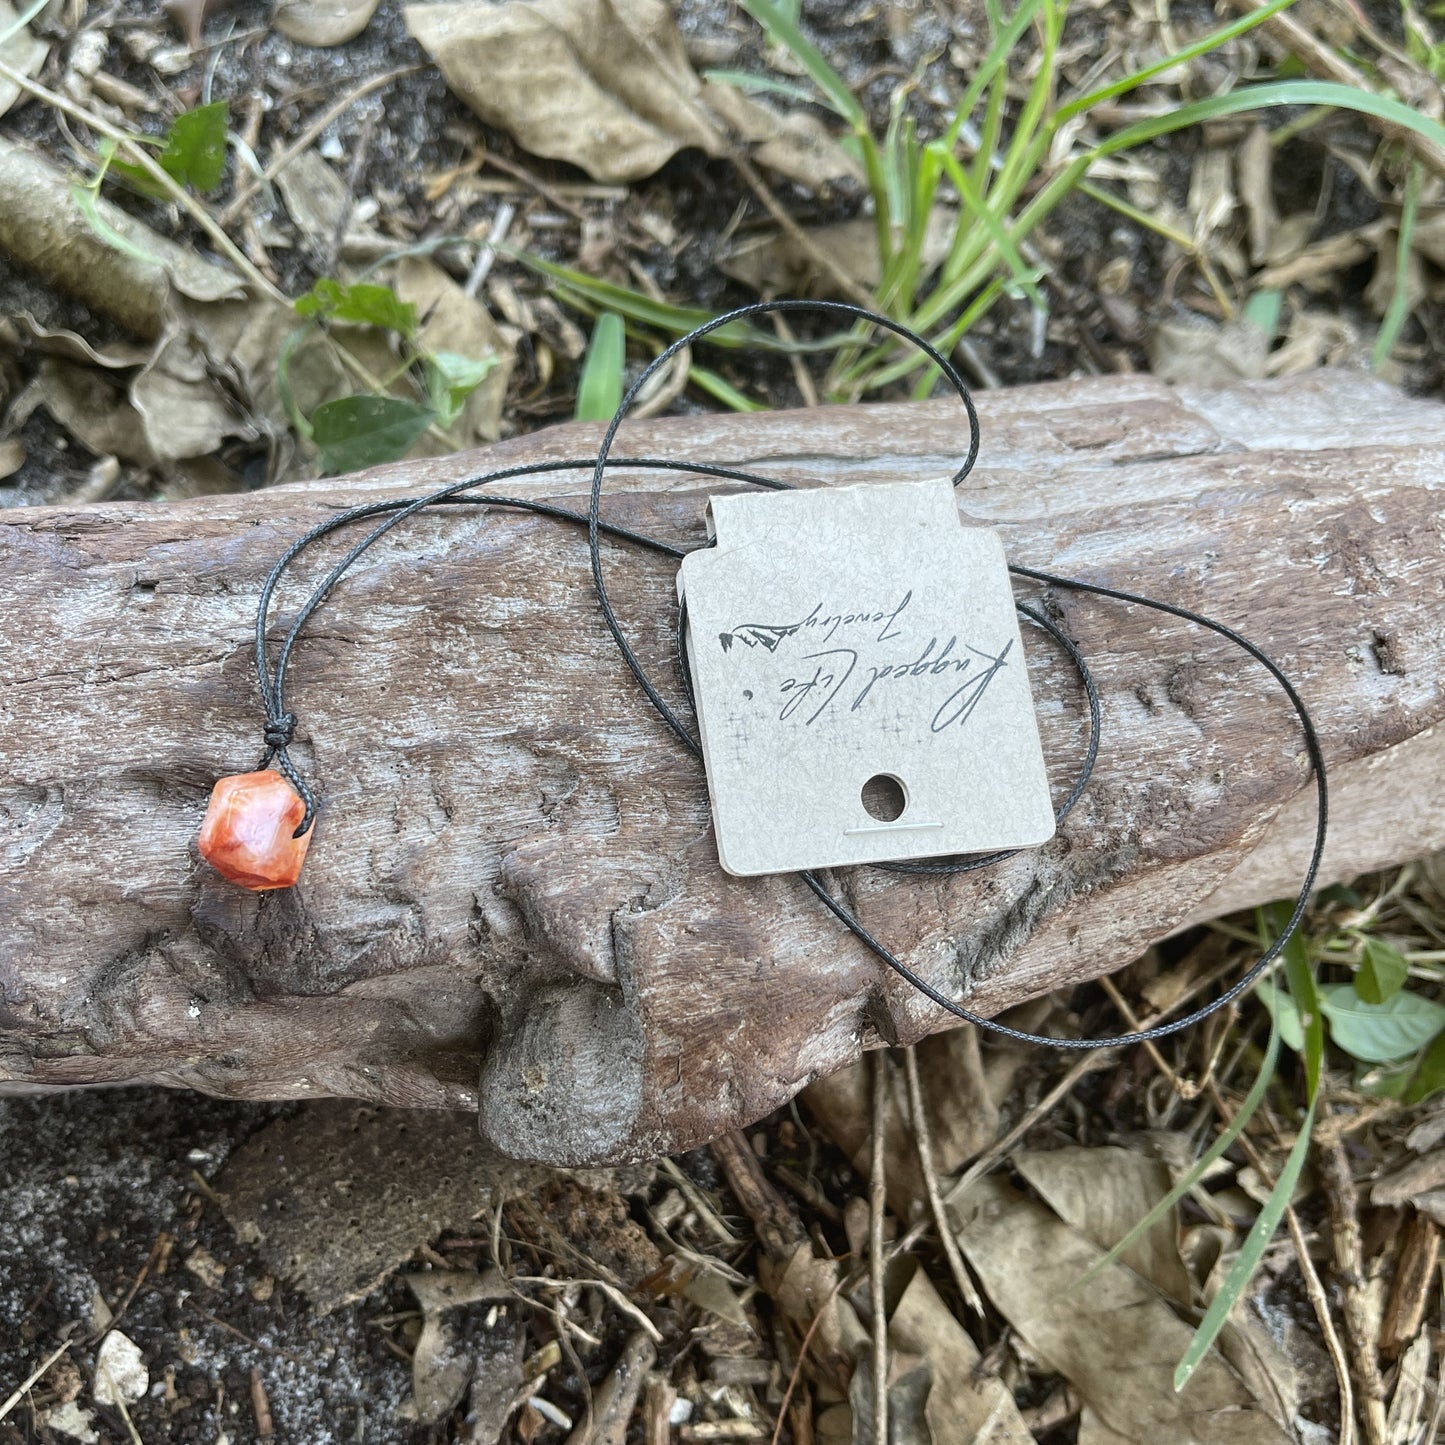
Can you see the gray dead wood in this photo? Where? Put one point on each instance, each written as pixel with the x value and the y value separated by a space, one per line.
pixel 513 905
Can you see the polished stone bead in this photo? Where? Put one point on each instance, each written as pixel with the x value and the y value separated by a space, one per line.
pixel 246 835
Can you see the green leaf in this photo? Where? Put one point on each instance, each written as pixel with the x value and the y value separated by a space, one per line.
pixel 1398 311
pixel 1382 973
pixel 722 389
pixel 599 390
pixel 1380 1033
pixel 365 302
pixel 195 152
pixel 1283 1011
pixel 745 80
pixel 451 378
pixel 1430 1076
pixel 363 431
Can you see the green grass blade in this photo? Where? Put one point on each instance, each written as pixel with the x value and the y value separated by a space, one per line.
pixel 1202 46
pixel 757 84
pixel 833 88
pixel 998 57
pixel 1399 307
pixel 1264 97
pixel 1020 273
pixel 1247 1260
pixel 722 390
pixel 1227 1136
pixel 599 388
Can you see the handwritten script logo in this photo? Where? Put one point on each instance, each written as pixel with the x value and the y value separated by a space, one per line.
pixel 847 677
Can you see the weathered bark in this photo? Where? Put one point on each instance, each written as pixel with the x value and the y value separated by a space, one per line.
pixel 513 883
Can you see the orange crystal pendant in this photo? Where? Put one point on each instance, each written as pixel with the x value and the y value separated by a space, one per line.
pixel 246 836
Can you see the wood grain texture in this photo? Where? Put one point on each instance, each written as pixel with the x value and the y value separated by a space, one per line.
pixel 513 903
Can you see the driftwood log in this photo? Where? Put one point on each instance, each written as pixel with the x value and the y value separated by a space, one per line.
pixel 513 905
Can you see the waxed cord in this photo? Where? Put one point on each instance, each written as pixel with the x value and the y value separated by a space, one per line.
pixel 280 724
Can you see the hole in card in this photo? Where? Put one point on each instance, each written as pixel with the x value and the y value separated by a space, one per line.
pixel 884 797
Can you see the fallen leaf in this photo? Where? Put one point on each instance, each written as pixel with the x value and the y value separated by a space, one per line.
pixel 1203 353
pixel 1103 1193
pixel 775 263
pixel 443 1362
pixel 1421 1176
pixel 323 22
pixel 1115 1339
pixel 21 51
pixel 453 323
pixel 42 227
pixel 967 1405
pixel 606 85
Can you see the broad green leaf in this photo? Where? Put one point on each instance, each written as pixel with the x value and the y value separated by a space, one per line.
pixel 363 431
pixel 599 389
pixel 365 302
pixel 1429 1076
pixel 1385 1081
pixel 195 152
pixel 1380 1033
pixel 1383 972
pixel 451 378
pixel 1283 1011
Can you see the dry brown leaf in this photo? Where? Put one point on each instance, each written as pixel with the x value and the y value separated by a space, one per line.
pixel 22 52
pixel 605 85
pixel 453 321
pixel 1115 1340
pixel 1103 1193
pixel 961 1096
pixel 1421 1176
pixel 442 1364
pixel 967 1405
pixel 323 22
pixel 1204 353
pixel 12 456
pixel 775 263
pixel 41 227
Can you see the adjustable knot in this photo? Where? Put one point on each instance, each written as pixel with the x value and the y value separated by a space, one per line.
pixel 280 731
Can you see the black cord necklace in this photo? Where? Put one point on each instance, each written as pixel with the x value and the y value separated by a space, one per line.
pixel 280 725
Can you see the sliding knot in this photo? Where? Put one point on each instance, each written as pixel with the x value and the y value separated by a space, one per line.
pixel 280 731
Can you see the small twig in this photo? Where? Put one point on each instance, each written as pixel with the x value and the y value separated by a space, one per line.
pixel 923 1140
pixel 25 1387
pixel 796 1374
pixel 487 252
pixel 1320 1303
pixel 282 159
pixel 694 1197
pixel 1349 1260
pixel 1185 1088
pixel 610 1290
pixel 119 1402
pixel 877 1196
pixel 548 193
pixel 801 375
pixel 261 1406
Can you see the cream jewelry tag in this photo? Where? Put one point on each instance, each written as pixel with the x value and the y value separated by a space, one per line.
pixel 860 682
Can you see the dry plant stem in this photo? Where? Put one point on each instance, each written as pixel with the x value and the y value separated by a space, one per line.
pixel 877 1192
pixel 1414 1275
pixel 261 1407
pixel 610 1290
pixel 1185 1088
pixel 1323 60
pixel 778 1229
pixel 797 1370
pixel 694 1197
pixel 1349 1261
pixel 142 157
pixel 1320 1303
pixel 923 1138
pixel 279 162
pixel 38 1374
pixel 801 375
pixel 848 286
pixel 487 252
